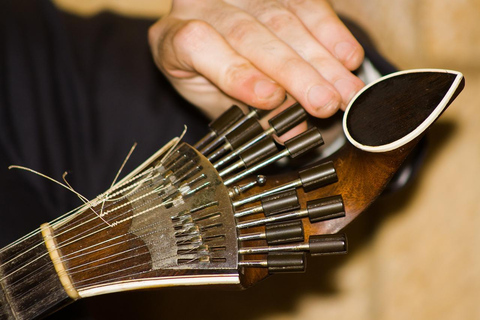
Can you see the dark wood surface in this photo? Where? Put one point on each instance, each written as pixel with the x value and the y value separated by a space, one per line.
pixel 393 108
pixel 115 259
pixel 32 288
pixel 362 176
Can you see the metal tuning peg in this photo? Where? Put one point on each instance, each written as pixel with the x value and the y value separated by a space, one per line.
pixel 294 147
pixel 219 125
pixel 327 244
pixel 178 158
pixel 274 204
pixel 310 178
pixel 326 208
pixel 264 149
pixel 278 233
pixel 216 142
pixel 279 124
pixel 317 210
pixel 245 123
pixel 279 262
pixel 291 258
pixel 316 245
pixel 245 132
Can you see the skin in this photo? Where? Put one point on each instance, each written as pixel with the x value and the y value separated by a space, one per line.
pixel 257 53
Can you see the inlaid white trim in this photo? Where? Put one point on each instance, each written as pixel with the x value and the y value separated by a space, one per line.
pixel 417 131
pixel 173 281
pixel 62 274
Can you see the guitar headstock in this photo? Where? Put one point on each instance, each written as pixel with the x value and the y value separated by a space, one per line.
pixel 398 108
pixel 202 215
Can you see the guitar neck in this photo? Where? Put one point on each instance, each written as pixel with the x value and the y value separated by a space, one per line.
pixel 29 285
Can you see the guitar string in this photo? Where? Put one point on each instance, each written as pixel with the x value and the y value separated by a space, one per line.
pixel 116 261
pixel 121 277
pixel 41 242
pixel 118 253
pixel 81 209
pixel 22 294
pixel 77 238
pixel 34 232
pixel 156 189
pixel 66 216
pixel 126 258
pixel 150 227
pixel 45 255
pixel 37 230
pixel 68 242
pixel 136 232
pixel 123 220
pixel 83 267
pixel 81 238
pixel 56 221
pixel 107 257
pixel 83 249
pixel 85 221
pixel 63 217
pixel 80 286
pixel 111 202
pixel 129 203
pixel 174 148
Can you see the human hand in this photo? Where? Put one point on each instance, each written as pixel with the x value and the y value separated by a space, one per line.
pixel 218 53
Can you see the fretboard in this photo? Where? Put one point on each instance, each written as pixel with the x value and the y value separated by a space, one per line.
pixel 29 285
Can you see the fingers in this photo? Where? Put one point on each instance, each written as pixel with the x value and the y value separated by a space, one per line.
pixel 275 58
pixel 324 24
pixel 186 49
pixel 255 51
pixel 288 27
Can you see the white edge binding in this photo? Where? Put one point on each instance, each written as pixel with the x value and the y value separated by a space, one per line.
pixel 197 280
pixel 417 131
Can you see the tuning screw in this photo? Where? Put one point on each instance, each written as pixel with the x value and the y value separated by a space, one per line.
pixel 317 210
pixel 277 203
pixel 316 245
pixel 278 233
pixel 294 147
pixel 310 178
pixel 220 125
pixel 279 262
pixel 237 190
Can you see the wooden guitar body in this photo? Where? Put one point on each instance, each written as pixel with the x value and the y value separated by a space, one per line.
pixel 186 217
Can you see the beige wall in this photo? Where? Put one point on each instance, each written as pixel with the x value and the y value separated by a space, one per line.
pixel 423 258
pixel 421 32
pixel 139 8
pixel 414 255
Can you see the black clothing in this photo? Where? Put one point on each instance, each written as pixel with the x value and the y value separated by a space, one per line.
pixel 75 94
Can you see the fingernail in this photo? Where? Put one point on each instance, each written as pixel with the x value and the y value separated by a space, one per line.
pixel 344 51
pixel 347 89
pixel 321 97
pixel 265 89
